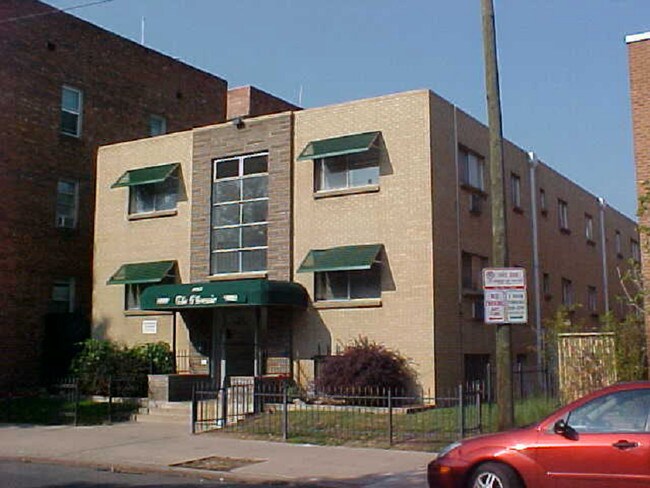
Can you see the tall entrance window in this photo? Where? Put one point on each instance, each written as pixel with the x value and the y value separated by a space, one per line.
pixel 239 214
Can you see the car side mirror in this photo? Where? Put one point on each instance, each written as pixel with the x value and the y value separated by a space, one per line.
pixel 565 430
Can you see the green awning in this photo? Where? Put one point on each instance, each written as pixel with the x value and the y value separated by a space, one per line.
pixel 141 273
pixel 258 292
pixel 337 146
pixel 146 176
pixel 340 258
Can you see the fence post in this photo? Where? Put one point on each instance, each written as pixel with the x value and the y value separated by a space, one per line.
pixel 479 411
pixel 390 416
pixel 76 401
pixel 285 412
pixel 110 400
pixel 461 411
pixel 194 413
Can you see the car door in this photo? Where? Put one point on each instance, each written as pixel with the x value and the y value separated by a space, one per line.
pixel 607 444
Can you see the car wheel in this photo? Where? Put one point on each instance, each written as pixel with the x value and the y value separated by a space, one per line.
pixel 495 475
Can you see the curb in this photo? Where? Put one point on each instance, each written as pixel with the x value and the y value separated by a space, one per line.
pixel 221 476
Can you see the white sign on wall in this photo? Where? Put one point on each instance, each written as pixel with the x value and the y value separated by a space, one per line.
pixel 505 296
pixel 149 326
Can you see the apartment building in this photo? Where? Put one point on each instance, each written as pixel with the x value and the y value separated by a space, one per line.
pixel 281 238
pixel 638 46
pixel 68 88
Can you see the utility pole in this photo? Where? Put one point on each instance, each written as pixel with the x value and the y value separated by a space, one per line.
pixel 497 197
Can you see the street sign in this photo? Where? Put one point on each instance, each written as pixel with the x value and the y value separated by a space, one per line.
pixel 505 297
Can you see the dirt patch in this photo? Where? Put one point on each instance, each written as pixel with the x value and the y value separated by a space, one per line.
pixel 217 463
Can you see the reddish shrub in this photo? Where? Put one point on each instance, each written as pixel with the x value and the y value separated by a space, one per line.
pixel 365 365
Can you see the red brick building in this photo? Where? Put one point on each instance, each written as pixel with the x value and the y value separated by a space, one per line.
pixel 639 66
pixel 67 88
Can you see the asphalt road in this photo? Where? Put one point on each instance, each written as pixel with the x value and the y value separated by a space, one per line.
pixel 15 474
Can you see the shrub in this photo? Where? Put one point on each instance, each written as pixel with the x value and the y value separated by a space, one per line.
pixel 126 367
pixel 365 365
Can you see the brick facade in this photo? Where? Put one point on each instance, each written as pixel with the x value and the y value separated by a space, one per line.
pixel 249 101
pixel 123 83
pixel 639 69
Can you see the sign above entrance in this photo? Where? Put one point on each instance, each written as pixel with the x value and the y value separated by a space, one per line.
pixel 257 292
pixel 505 297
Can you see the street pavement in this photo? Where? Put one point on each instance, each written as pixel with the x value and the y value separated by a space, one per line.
pixel 155 447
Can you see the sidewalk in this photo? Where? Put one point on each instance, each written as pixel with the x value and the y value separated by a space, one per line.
pixel 156 446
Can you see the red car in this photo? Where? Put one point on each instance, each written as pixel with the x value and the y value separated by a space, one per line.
pixel 601 440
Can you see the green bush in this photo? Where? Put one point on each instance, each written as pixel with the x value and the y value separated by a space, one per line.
pixel 126 368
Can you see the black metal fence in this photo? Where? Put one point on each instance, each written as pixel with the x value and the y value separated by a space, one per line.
pixel 371 416
pixel 69 401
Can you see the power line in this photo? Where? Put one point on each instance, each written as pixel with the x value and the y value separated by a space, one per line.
pixel 57 11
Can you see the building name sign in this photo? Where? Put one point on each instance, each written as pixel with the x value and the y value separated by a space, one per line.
pixel 505 296
pixel 198 300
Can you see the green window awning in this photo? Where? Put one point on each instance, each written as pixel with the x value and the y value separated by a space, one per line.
pixel 146 176
pixel 256 292
pixel 338 146
pixel 129 274
pixel 340 258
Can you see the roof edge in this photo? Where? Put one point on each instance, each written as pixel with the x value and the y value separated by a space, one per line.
pixel 642 36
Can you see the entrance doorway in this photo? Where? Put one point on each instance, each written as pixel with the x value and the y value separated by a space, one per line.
pixel 239 341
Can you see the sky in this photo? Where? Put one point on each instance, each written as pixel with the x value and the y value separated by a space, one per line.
pixel 563 63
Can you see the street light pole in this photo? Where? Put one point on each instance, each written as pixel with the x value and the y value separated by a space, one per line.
pixel 499 237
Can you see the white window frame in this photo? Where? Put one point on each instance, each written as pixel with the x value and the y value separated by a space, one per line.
pixel 635 250
pixel 370 156
pixel 567 292
pixel 77 113
pixel 589 228
pixel 172 180
pixel 472 169
pixel 62 220
pixel 515 190
pixel 136 290
pixel 69 283
pixel 592 298
pixel 319 276
pixel 159 119
pixel 563 214
pixel 240 224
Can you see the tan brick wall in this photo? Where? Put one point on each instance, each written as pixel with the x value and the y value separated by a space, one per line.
pixel 639 66
pixel 119 240
pixel 397 216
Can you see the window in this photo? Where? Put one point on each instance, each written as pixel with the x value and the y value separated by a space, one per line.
pixel 63 296
pixel 347 171
pixel 239 214
pixel 567 292
pixel 154 197
pixel 542 202
pixel 589 228
pixel 546 285
pixel 635 250
pixel 563 215
pixel 475 203
pixel 71 109
pixel 515 191
pixel 472 269
pixel 157 125
pixel 471 169
pixel 133 291
pixel 67 203
pixel 623 411
pixel 617 244
pixel 348 285
pixel 592 298
pixel 478 309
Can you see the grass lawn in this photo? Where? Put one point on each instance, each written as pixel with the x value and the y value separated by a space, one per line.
pixel 422 430
pixel 54 411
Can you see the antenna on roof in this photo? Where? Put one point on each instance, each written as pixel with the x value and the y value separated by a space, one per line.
pixel 142 31
pixel 300 96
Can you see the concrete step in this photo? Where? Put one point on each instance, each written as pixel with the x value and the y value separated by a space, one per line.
pixel 175 412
